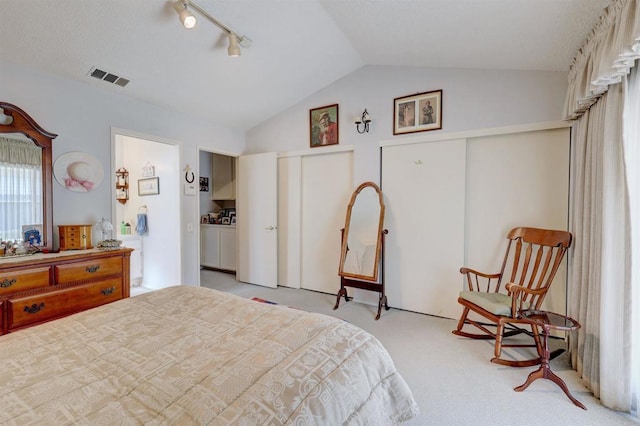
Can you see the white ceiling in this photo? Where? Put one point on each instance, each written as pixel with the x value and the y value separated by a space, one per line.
pixel 299 46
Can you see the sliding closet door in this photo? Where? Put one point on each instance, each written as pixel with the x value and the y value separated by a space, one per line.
pixel 519 179
pixel 289 220
pixel 327 184
pixel 424 191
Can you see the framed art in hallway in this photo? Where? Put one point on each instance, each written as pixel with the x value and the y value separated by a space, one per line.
pixel 204 184
pixel 323 126
pixel 417 113
pixel 150 186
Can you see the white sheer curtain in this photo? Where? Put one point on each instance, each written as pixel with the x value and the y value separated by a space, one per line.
pixel 632 165
pixel 603 289
pixel 20 187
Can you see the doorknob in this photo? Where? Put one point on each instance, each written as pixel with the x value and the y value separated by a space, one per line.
pixel 270 228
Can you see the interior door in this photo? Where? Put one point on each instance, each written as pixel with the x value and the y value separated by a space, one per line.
pixel 257 219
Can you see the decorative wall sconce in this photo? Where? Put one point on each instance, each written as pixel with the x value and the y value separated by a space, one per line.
pixel 365 120
pixel 122 185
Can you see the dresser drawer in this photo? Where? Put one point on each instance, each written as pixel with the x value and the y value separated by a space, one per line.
pixel 21 280
pixel 38 308
pixel 88 270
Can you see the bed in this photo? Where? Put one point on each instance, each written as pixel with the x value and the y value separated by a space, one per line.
pixel 187 355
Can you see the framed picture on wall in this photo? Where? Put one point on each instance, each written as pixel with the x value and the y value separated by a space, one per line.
pixel 150 186
pixel 204 184
pixel 417 113
pixel 323 126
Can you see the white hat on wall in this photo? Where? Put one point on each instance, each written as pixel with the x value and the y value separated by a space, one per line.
pixel 78 171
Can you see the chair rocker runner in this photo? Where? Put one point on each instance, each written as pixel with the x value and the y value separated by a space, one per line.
pixel 534 256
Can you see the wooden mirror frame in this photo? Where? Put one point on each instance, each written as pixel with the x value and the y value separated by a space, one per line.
pixel 23 123
pixel 345 236
pixel 364 282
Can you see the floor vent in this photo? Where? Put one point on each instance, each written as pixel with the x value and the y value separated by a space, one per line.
pixel 108 77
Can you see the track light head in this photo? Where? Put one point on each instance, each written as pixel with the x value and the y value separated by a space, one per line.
pixel 233 49
pixel 186 18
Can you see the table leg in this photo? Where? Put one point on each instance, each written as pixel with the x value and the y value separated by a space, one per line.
pixel 544 372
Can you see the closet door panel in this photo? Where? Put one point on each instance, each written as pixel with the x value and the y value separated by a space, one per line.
pixel 327 183
pixel 519 179
pixel 289 219
pixel 424 190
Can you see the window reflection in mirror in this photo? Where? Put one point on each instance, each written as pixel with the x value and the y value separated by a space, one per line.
pixel 25 180
pixel 21 206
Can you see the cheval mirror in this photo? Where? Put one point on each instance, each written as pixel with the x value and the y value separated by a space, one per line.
pixel 362 253
pixel 26 145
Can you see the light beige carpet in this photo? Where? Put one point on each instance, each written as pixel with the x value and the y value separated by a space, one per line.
pixel 451 377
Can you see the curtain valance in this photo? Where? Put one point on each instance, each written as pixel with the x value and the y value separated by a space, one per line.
pixel 608 54
pixel 15 151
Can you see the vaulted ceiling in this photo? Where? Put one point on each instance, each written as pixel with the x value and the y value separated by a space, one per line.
pixel 299 46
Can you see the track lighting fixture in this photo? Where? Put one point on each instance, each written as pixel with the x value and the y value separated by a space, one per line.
pixel 233 49
pixel 189 21
pixel 186 18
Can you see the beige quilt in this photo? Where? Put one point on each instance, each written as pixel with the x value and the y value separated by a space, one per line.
pixel 187 355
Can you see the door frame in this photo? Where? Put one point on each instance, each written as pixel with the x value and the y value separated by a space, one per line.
pixel 115 131
pixel 210 150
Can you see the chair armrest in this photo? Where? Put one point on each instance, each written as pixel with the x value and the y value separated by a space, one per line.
pixel 519 296
pixel 483 284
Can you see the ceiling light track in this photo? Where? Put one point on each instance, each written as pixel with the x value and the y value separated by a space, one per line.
pixel 189 21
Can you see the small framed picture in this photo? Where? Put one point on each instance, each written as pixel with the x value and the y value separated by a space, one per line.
pixel 233 220
pixel 226 220
pixel 204 184
pixel 323 126
pixel 149 186
pixel 417 113
pixel 204 218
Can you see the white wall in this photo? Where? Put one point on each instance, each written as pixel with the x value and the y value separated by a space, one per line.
pixel 82 116
pixel 472 99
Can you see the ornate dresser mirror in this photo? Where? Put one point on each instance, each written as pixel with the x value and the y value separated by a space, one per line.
pixel 23 141
pixel 362 252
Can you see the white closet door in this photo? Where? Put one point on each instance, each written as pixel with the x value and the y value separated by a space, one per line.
pixel 289 219
pixel 257 207
pixel 519 179
pixel 424 191
pixel 327 184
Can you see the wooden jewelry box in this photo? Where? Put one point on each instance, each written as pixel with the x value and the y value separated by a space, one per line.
pixel 75 237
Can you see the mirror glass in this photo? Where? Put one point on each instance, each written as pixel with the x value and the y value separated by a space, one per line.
pixel 25 180
pixel 361 244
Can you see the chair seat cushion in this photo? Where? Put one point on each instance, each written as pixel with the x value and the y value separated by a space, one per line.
pixel 496 303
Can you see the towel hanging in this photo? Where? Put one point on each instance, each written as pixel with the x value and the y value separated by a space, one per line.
pixel 141 221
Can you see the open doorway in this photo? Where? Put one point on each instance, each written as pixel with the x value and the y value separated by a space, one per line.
pixel 217 207
pixel 153 200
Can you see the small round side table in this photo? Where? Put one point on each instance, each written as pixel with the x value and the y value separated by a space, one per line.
pixel 548 321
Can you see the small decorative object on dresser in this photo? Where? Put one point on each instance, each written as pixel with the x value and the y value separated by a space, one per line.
pixel 75 237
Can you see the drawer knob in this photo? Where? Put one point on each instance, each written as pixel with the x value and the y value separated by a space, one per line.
pixel 34 309
pixel 108 291
pixel 92 269
pixel 7 282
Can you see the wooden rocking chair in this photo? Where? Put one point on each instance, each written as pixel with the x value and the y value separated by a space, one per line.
pixel 535 255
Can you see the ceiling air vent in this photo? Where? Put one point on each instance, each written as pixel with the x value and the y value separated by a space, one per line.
pixel 108 77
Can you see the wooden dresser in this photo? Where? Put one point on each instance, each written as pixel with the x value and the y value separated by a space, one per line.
pixel 39 288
